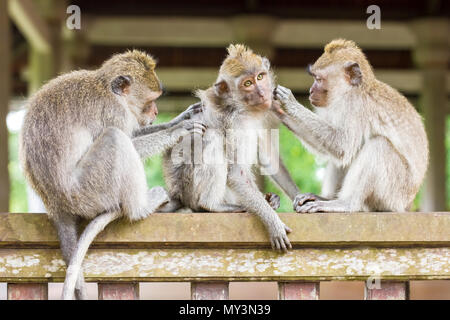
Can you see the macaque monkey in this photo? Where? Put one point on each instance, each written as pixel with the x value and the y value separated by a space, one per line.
pixel 236 111
pixel 81 146
pixel 372 136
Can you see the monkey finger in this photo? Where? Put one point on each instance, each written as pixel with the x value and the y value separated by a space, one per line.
pixel 288 230
pixel 287 242
pixel 272 244
pixel 283 245
pixel 197 107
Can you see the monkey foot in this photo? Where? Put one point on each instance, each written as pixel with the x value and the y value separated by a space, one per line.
pixel 304 198
pixel 322 206
pixel 273 200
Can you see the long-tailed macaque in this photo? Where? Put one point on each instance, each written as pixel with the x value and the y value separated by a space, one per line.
pixel 218 176
pixel 81 146
pixel 372 136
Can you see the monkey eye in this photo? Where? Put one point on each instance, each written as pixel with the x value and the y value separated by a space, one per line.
pixel 260 76
pixel 248 83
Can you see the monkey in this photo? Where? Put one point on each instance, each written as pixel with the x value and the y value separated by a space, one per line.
pixel 81 145
pixel 236 112
pixel 373 138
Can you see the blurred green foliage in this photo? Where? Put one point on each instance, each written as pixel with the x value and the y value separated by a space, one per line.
pixel 300 163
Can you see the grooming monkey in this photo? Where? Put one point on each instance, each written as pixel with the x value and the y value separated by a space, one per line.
pixel 372 136
pixel 236 113
pixel 81 146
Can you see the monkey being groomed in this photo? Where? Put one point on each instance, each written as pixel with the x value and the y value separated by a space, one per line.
pixel 81 146
pixel 372 136
pixel 218 176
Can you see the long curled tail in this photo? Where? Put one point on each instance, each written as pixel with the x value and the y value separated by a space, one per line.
pixel 90 232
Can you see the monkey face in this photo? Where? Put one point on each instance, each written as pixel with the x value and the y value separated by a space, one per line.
pixel 255 90
pixel 318 93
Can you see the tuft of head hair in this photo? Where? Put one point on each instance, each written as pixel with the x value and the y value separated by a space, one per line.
pixel 131 59
pixel 240 58
pixel 338 44
pixel 343 51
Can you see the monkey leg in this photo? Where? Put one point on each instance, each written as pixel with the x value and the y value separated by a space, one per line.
pixel 222 207
pixel 67 227
pixel 171 206
pixel 111 176
pixel 375 181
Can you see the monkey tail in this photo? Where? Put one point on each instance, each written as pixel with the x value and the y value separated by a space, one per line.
pixel 90 232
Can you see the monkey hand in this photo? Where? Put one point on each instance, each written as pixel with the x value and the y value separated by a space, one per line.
pixel 192 126
pixel 286 99
pixel 303 198
pixel 191 111
pixel 273 200
pixel 278 236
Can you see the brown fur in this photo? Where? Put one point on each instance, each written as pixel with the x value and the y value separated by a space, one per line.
pixel 372 136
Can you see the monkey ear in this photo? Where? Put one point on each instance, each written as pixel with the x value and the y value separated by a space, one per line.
pixel 266 63
pixel 121 85
pixel 353 73
pixel 221 88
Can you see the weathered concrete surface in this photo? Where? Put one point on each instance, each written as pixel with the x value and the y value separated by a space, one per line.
pixel 242 230
pixel 309 264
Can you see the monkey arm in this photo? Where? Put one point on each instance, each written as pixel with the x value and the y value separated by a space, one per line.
pixel 157 142
pixel 315 132
pixel 284 181
pixel 279 174
pixel 185 115
pixel 153 128
pixel 240 180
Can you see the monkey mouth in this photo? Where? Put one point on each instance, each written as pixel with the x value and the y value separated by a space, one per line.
pixel 264 104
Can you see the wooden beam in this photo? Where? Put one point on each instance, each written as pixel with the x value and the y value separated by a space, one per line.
pixel 190 230
pixel 299 290
pixel 209 290
pixel 200 31
pixel 5 75
pixel 26 17
pixel 27 291
pixel 189 79
pixel 118 291
pixel 388 290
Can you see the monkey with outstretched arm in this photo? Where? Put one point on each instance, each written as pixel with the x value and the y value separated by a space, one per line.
pixel 81 146
pixel 236 111
pixel 373 138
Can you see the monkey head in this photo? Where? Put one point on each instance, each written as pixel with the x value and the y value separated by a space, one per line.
pixel 135 84
pixel 341 68
pixel 245 77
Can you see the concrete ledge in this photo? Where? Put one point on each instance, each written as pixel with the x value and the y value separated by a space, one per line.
pixel 241 230
pixel 235 247
pixel 144 265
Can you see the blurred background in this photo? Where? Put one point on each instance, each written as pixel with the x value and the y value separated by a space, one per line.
pixel 43 38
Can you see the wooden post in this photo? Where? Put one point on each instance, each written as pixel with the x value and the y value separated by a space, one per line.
pixel 27 291
pixel 387 290
pixel 209 291
pixel 431 56
pixel 298 290
pixel 118 291
pixel 4 104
